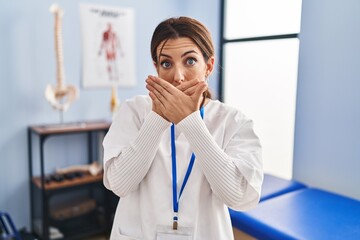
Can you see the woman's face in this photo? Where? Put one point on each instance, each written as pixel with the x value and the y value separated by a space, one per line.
pixel 182 60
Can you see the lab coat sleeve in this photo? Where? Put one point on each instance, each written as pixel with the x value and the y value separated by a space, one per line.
pixel 233 171
pixel 129 148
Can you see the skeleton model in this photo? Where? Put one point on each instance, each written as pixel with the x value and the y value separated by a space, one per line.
pixel 60 96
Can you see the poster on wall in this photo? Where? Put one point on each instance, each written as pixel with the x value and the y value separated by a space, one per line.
pixel 108 52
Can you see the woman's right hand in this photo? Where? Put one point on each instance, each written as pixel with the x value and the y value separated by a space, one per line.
pixel 155 106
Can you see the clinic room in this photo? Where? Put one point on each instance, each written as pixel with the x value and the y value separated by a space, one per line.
pixel 180 120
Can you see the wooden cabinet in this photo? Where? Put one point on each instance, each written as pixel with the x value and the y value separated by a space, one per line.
pixel 68 206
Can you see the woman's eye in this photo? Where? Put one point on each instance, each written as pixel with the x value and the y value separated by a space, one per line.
pixel 165 64
pixel 191 61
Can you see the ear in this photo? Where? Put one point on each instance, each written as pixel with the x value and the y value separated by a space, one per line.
pixel 210 65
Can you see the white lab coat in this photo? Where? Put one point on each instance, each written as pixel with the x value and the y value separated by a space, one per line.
pixel 137 167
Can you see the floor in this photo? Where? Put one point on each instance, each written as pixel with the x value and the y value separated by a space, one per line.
pixel 99 237
pixel 239 235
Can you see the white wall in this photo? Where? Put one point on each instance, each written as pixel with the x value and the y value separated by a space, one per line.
pixel 327 143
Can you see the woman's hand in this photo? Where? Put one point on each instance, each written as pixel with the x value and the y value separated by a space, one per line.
pixel 155 103
pixel 188 87
pixel 171 102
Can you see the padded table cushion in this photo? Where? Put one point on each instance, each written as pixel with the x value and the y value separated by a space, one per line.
pixel 304 214
pixel 275 186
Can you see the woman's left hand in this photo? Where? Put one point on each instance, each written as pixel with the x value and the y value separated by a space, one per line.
pixel 173 103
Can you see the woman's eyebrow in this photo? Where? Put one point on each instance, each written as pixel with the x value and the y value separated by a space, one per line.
pixel 164 55
pixel 182 55
pixel 185 53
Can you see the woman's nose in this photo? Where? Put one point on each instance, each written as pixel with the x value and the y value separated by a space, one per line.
pixel 179 75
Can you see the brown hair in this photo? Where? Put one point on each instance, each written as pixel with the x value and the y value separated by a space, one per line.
pixel 174 28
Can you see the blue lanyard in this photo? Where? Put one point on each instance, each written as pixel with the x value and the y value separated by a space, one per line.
pixel 174 176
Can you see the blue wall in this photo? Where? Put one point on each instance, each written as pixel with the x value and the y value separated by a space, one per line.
pixel 327 134
pixel 27 65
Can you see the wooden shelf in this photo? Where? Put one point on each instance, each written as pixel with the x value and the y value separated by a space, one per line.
pixel 71 186
pixel 48 129
pixel 53 185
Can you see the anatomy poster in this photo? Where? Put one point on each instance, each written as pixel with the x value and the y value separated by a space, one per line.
pixel 107 46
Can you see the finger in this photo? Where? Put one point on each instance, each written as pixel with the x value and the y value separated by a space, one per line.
pixel 200 89
pixel 190 91
pixel 188 84
pixel 162 85
pixel 159 96
pixel 152 85
pixel 155 93
pixel 153 97
pixel 149 87
pixel 156 101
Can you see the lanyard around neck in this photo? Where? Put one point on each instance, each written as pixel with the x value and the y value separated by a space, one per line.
pixel 174 175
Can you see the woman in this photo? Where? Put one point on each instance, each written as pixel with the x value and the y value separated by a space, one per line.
pixel 178 159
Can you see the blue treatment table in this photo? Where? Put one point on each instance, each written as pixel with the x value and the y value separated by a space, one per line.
pixel 275 186
pixel 307 213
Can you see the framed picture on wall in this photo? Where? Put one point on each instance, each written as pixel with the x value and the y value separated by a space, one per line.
pixel 108 52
